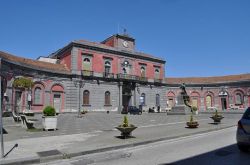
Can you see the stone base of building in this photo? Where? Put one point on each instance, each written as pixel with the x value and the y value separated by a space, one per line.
pixel 179 110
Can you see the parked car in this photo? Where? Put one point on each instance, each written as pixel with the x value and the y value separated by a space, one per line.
pixel 243 132
pixel 151 110
pixel 134 110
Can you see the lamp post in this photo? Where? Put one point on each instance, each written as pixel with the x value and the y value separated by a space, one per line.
pixel 1 117
pixel 80 83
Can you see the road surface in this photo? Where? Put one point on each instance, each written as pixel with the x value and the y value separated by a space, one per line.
pixel 213 148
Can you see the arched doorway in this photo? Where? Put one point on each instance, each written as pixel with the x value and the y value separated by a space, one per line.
pixel 171 99
pixel 57 98
pixel 209 100
pixel 195 99
pixel 223 99
pixel 128 99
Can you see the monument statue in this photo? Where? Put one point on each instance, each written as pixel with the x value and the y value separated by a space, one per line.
pixel 186 98
pixel 183 105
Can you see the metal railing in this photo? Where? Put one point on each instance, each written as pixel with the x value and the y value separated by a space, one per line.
pixel 108 75
pixel 87 73
pixel 143 78
pixel 127 76
pixel 158 80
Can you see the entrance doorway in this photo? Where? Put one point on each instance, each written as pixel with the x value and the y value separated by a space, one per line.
pixel 223 103
pixel 126 97
pixel 57 102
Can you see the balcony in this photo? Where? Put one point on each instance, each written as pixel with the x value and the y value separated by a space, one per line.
pixel 158 80
pixel 87 73
pixel 108 75
pixel 127 76
pixel 143 79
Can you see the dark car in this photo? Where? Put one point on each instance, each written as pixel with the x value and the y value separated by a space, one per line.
pixel 243 132
pixel 134 110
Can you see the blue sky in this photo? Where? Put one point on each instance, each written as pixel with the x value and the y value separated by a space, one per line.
pixel 195 37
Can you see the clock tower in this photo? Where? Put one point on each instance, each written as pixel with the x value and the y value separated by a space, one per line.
pixel 121 41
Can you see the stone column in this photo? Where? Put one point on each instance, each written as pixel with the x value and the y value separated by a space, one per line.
pixel 120 97
pixel 202 105
pixel 245 101
pixel 47 97
pixel 135 96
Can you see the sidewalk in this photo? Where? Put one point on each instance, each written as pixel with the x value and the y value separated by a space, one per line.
pixel 42 149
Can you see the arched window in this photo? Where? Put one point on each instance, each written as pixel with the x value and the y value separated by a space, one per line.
pixel 157 100
pixel 124 71
pixel 143 74
pixel 86 65
pixel 208 101
pixel 86 97
pixel 86 60
pixel 107 98
pixel 107 68
pixel 38 95
pixel 238 99
pixel 125 67
pixel 157 74
pixel 143 99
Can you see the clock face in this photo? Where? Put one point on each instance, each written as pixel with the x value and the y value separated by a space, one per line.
pixel 125 44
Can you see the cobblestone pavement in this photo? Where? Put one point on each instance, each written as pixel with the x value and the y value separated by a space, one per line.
pixel 69 123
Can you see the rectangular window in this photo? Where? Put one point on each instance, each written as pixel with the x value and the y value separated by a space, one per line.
pixel 107 98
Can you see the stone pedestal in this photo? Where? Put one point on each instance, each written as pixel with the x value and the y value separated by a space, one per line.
pixel 179 110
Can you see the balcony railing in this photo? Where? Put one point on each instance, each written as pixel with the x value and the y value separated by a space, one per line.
pixel 87 73
pixel 158 80
pixel 143 78
pixel 127 76
pixel 108 75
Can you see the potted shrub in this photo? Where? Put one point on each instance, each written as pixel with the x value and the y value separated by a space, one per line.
pixel 84 111
pixel 217 117
pixel 191 123
pixel 49 118
pixel 125 128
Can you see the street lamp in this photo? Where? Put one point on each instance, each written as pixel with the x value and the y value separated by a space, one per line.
pixel 80 83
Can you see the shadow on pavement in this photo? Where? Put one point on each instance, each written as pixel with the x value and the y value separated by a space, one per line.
pixel 122 137
pixel 229 155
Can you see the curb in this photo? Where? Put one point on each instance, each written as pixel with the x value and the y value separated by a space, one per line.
pixel 21 161
pixel 37 159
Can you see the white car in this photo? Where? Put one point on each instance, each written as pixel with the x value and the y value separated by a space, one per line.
pixel 243 132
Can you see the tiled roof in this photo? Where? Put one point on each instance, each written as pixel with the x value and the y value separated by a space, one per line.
pixel 103 46
pixel 208 80
pixel 58 68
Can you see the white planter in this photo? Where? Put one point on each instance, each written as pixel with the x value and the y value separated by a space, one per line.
pixel 50 122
